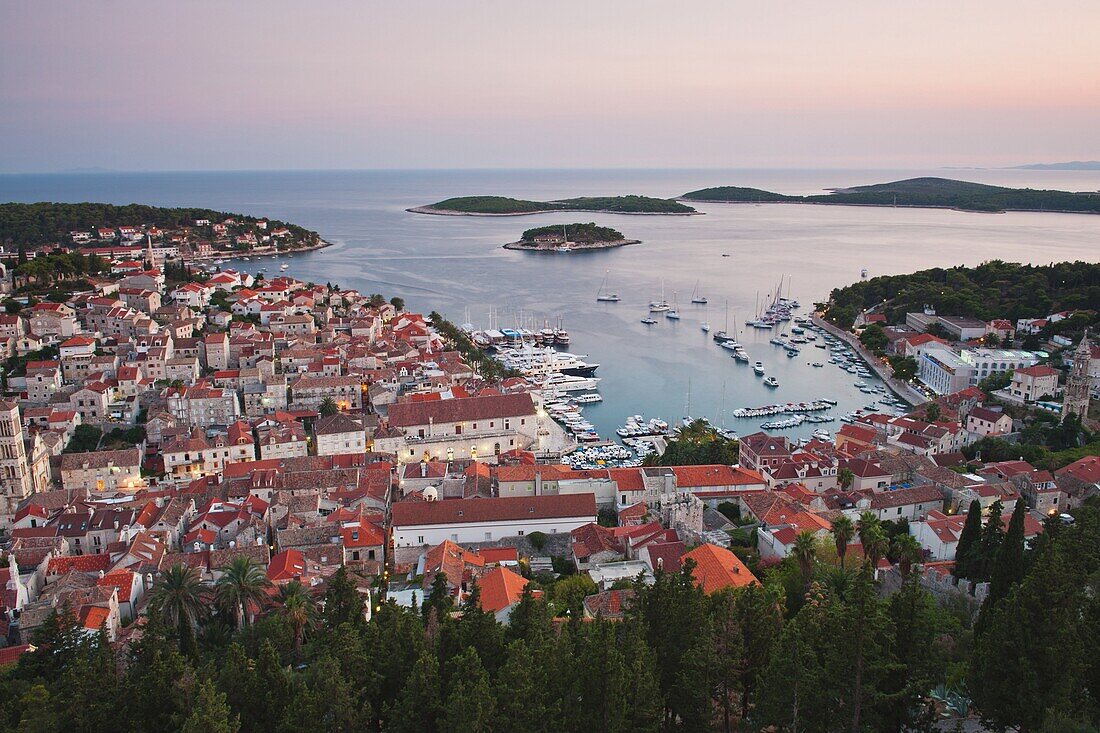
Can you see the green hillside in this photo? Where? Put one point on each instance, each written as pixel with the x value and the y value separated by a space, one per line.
pixel 928 192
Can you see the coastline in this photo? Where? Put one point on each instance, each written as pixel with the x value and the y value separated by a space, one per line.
pixel 886 206
pixel 522 246
pixel 446 212
pixel 321 244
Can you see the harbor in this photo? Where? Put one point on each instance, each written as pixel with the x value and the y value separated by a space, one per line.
pixel 777 350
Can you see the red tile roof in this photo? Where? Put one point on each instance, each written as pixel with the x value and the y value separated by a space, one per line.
pixel 286 566
pixel 717 568
pixel 408 414
pixel 11 654
pixel 500 588
pixel 502 509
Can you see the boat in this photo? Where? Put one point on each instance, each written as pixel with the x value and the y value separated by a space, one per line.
pixel 771 382
pixel 817 364
pixel 660 306
pixel 673 313
pixel 696 297
pixel 724 336
pixel 648 321
pixel 538 362
pixel 284 267
pixel 758 367
pixel 705 326
pixel 587 398
pixel 602 297
pixel 863 272
pixel 741 356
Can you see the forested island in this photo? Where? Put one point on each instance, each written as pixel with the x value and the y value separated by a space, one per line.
pixel 505 206
pixel 920 192
pixel 52 222
pixel 558 237
pixel 991 290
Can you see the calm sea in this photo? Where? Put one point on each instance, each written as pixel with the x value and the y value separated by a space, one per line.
pixel 456 265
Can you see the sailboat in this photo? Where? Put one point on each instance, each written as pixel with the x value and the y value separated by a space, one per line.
pixel 724 335
pixel 673 313
pixel 696 297
pixel 602 297
pixel 660 306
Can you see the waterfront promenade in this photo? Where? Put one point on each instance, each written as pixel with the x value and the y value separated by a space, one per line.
pixel 902 389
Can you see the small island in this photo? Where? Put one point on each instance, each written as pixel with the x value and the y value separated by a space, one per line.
pixel 505 206
pixel 569 238
pixel 942 193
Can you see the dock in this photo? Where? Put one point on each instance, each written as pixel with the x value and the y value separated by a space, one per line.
pixel 902 389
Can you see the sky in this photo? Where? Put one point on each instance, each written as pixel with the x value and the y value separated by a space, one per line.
pixel 238 84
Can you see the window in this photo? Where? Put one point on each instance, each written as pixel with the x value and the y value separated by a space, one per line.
pixel 899 510
pixel 420 539
pixel 488 536
pixel 520 533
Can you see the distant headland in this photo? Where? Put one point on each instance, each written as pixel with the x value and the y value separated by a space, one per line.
pixel 569 238
pixel 505 206
pixel 943 193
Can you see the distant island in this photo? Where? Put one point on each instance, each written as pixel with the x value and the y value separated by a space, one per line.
pixel 1073 165
pixel 505 206
pixel 569 237
pixel 190 232
pixel 920 192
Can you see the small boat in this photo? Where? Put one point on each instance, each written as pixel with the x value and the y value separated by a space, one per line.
pixel 284 266
pixel 602 297
pixel 817 364
pixel 648 321
pixel 771 382
pixel 660 306
pixel 696 297
pixel 758 367
pixel 725 254
pixel 705 326
pixel 587 398
pixel 863 272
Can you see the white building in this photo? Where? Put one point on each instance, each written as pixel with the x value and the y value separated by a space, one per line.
pixel 486 520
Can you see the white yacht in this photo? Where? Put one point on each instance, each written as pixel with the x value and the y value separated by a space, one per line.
pixel 705 326
pixel 771 382
pixel 758 367
pixel 540 362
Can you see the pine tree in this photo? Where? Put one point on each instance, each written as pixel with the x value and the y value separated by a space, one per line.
pixel 210 713
pixel 469 707
pixel 521 691
pixel 420 704
pixel 969 542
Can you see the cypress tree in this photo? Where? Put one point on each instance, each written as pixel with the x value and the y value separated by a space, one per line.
pixel 1008 567
pixel 992 536
pixel 968 541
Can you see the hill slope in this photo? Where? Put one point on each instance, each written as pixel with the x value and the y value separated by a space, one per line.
pixel 921 192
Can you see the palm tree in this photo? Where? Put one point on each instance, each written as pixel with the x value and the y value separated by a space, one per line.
pixel 843 530
pixel 242 582
pixel 805 548
pixel 875 545
pixel 839 581
pixel 181 598
pixel 298 607
pixel 867 520
pixel 328 407
pixel 908 551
